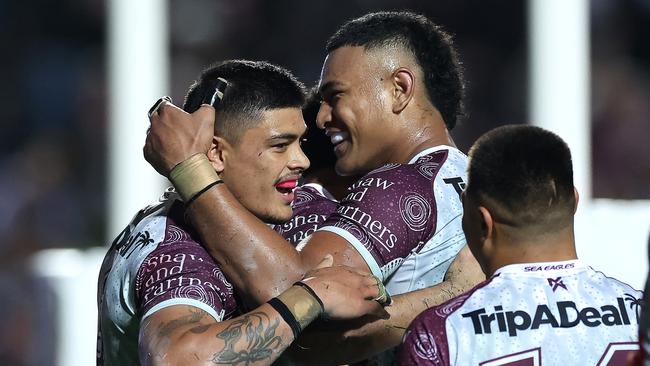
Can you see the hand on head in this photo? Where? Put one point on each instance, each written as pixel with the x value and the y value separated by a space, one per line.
pixel 175 135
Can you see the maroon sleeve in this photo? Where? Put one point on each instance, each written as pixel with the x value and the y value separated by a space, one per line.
pixel 425 342
pixel 180 271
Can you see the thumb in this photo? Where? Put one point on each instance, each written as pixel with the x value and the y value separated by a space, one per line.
pixel 205 114
pixel 327 261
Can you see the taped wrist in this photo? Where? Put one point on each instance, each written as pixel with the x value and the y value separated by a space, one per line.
pixel 297 307
pixel 192 176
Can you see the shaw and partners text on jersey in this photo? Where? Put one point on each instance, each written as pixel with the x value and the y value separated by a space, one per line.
pixel 375 227
pixel 569 316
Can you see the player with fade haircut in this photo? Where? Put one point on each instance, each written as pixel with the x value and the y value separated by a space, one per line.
pixel 391 89
pixel 162 298
pixel 540 305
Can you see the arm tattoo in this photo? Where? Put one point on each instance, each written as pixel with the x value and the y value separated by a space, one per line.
pixel 260 340
pixel 195 316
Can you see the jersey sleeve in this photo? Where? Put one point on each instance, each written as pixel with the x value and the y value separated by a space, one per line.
pixel 388 214
pixel 424 342
pixel 180 272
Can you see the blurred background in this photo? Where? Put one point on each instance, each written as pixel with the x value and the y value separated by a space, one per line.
pixel 68 76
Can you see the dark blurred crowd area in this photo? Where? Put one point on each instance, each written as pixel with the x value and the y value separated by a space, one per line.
pixel 53 156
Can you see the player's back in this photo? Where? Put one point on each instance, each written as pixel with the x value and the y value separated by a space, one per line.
pixel 556 313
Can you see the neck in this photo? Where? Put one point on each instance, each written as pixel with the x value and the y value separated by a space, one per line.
pixel 512 246
pixel 424 131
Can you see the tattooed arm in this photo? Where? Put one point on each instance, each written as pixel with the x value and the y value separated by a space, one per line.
pixel 187 335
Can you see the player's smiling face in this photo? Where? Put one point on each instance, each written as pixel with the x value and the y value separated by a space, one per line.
pixel 264 166
pixel 354 108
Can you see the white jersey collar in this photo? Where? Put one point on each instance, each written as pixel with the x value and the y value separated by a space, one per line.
pixel 319 187
pixel 538 267
pixel 432 150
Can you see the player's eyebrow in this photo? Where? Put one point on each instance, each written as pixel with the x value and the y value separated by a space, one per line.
pixel 328 86
pixel 284 136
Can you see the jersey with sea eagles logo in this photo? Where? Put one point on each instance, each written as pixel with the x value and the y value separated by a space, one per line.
pixel 553 313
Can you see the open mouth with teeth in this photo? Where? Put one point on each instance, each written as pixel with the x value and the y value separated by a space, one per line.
pixel 337 139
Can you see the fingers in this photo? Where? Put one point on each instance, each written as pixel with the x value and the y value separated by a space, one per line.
pixel 205 114
pixel 154 109
pixel 377 291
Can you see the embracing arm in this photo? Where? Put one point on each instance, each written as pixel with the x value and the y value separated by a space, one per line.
pixel 253 256
pixel 187 335
pixel 358 339
pixel 256 258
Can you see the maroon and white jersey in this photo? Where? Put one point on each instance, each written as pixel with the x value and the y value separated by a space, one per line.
pixel 405 219
pixel 153 264
pixel 312 205
pixel 554 313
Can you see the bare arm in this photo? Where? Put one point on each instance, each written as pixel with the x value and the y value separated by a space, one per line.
pixel 257 259
pixel 252 255
pixel 187 335
pixel 358 339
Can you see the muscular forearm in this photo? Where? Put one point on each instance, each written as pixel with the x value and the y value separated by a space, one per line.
pixel 254 257
pixel 255 338
pixel 186 335
pixel 346 342
pixel 353 341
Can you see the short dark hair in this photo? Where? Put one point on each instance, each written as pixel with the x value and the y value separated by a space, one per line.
pixel 525 175
pixel 317 145
pixel 253 87
pixel 431 46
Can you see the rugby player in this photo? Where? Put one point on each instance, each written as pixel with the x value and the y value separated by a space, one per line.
pixel 540 305
pixel 321 188
pixel 163 300
pixel 391 89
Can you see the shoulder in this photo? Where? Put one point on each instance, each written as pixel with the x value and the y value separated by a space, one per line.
pixel 427 340
pixel 614 284
pixel 313 198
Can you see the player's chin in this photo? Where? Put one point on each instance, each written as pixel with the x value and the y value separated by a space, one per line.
pixel 279 215
pixel 346 166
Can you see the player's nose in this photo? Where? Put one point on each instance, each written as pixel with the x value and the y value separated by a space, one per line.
pixel 299 161
pixel 324 115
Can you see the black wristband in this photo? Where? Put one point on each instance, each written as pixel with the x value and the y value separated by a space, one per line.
pixel 312 293
pixel 197 194
pixel 288 317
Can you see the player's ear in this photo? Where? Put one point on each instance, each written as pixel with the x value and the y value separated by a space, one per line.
pixel 403 88
pixel 577 198
pixel 218 153
pixel 487 223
